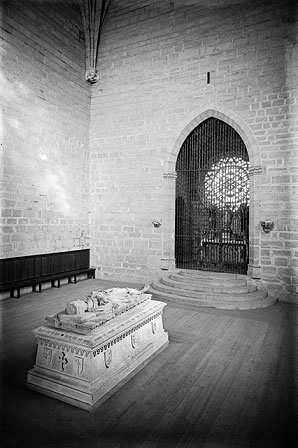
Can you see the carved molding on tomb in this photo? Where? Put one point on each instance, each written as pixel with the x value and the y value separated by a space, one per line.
pixel 126 334
pixel 92 353
pixel 93 15
pixel 170 175
pixel 65 347
pixel 255 170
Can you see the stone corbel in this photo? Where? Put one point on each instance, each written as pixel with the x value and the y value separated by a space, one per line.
pixel 93 14
pixel 267 226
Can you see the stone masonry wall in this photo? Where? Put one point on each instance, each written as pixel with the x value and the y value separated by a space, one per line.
pixel 154 58
pixel 45 128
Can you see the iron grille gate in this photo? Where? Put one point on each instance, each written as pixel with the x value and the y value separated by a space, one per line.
pixel 212 200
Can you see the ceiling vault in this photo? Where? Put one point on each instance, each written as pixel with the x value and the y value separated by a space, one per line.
pixel 93 14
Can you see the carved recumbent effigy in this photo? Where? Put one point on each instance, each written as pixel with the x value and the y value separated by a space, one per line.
pixel 91 349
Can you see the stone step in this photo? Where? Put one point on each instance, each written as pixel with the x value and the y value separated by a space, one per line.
pixel 179 282
pixel 220 282
pixel 228 304
pixel 211 289
pixel 210 275
pixel 208 295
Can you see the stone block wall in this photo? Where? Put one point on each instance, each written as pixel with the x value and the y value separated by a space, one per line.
pixel 44 128
pixel 154 59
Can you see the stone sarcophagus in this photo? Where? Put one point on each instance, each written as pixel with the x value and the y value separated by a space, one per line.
pixel 84 357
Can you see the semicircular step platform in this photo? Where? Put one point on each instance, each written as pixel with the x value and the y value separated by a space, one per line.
pixel 211 289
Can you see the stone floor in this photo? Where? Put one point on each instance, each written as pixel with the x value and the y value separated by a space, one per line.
pixel 227 379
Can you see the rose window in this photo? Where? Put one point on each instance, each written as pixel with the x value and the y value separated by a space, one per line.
pixel 227 183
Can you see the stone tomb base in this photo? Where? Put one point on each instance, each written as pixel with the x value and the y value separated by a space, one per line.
pixel 84 370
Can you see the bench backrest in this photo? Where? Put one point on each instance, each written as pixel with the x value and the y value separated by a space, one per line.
pixel 42 265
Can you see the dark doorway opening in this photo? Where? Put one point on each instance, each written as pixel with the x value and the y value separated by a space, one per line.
pixel 212 200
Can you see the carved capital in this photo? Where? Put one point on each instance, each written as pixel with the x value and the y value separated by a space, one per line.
pixel 170 175
pixel 255 170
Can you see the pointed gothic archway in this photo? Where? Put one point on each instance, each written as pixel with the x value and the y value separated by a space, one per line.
pixel 212 199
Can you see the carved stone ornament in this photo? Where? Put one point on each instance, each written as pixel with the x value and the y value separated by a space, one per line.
pixel 80 364
pixel 47 356
pixel 133 340
pixel 91 75
pixel 156 223
pixel 170 175
pixel 153 326
pixel 267 226
pixel 63 361
pixel 108 358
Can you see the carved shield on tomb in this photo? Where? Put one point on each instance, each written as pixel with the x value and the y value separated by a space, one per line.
pixel 47 356
pixel 133 340
pixel 153 326
pixel 80 364
pixel 63 361
pixel 108 358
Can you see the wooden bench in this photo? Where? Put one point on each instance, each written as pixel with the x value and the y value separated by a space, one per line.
pixel 33 270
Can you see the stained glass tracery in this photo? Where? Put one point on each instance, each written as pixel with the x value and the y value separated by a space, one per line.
pixel 227 183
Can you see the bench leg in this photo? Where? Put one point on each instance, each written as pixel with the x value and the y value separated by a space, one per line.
pixel 54 284
pixel 75 279
pixel 34 287
pixel 13 291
